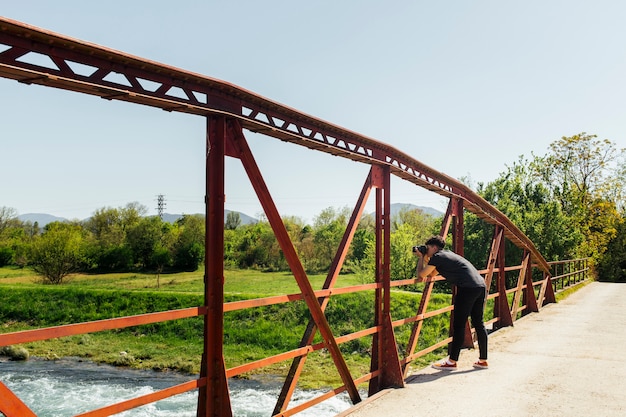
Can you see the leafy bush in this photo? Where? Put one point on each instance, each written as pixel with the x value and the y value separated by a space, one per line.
pixel 15 353
pixel 6 256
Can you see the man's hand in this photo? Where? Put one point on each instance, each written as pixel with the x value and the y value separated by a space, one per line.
pixel 423 269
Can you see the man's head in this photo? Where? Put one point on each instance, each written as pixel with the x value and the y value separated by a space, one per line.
pixel 435 244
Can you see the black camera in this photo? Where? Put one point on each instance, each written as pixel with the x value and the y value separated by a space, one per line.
pixel 421 249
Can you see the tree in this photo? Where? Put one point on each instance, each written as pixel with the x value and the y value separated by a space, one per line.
pixel 146 236
pixel 106 226
pixel 612 266
pixel 582 163
pixel 409 228
pixel 57 252
pixel 585 177
pixel 189 245
pixel 132 214
pixel 328 229
pixel 527 202
pixel 6 256
pixel 233 220
pixel 8 218
pixel 108 249
pixel 161 257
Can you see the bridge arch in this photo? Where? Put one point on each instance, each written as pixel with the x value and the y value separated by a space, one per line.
pixel 230 110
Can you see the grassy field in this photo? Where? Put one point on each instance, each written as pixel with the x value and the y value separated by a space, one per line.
pixel 250 334
pixel 243 282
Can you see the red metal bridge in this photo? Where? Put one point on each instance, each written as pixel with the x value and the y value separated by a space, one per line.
pixel 230 111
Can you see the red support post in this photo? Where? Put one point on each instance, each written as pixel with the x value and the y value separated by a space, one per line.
pixel 458 241
pixel 391 370
pixel 384 348
pixel 501 307
pixel 377 360
pixel 458 247
pixel 214 398
pixel 529 299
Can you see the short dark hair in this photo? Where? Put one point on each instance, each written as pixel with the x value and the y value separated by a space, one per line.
pixel 437 241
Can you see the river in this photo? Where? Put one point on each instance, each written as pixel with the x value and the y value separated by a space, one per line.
pixel 67 387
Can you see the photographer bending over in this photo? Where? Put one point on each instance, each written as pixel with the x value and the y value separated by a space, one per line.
pixel 469 300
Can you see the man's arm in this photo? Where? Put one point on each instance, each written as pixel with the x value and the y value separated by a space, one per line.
pixel 424 270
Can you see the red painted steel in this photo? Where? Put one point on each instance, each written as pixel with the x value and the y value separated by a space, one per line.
pixel 298 363
pixel 377 359
pixel 10 405
pixel 214 398
pixel 144 399
pixel 292 259
pixel 27 336
pixel 204 96
pixel 230 109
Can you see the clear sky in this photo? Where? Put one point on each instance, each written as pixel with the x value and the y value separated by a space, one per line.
pixel 465 87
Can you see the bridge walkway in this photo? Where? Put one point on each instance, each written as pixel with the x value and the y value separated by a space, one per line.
pixel 567 360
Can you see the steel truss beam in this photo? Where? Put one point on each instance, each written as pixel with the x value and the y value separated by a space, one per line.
pixel 75 65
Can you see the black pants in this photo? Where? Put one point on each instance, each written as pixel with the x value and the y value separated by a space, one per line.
pixel 469 302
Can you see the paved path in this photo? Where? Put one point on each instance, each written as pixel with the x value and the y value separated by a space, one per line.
pixel 566 360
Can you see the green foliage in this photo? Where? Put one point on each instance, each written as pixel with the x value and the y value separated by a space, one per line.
pixel 58 252
pixel 50 306
pixel 410 228
pixel 328 229
pixel 585 178
pixel 6 255
pixel 233 220
pixel 8 218
pixel 580 164
pixel 612 266
pixel 566 202
pixel 189 246
pixel 145 237
pixel 114 258
pixel 528 203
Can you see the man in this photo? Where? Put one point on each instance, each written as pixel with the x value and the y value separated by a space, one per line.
pixel 469 300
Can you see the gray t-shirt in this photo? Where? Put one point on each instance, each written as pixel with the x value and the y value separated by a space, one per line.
pixel 456 269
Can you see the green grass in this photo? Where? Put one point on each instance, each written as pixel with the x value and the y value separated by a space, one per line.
pixel 241 282
pixel 250 334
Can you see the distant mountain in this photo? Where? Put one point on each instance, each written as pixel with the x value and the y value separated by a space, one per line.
pixel 397 207
pixel 245 219
pixel 42 219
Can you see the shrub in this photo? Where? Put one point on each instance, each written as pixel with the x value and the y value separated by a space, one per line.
pixel 6 256
pixel 15 353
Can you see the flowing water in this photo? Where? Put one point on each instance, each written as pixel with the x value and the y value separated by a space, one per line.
pixel 68 387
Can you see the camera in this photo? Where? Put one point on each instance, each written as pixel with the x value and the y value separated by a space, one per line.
pixel 421 249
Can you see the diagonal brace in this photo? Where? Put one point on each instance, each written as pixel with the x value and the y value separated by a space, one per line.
pixel 254 174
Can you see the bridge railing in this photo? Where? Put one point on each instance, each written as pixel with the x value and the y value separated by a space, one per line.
pixel 568 273
pixel 507 302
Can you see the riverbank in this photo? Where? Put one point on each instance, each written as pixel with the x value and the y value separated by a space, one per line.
pixel 250 335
